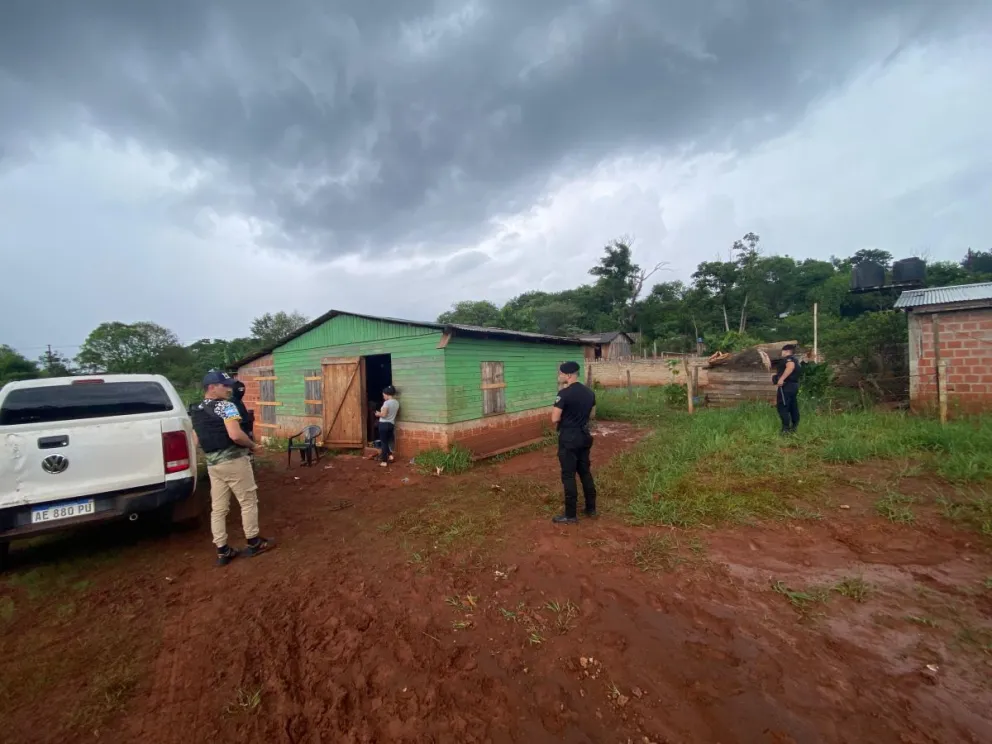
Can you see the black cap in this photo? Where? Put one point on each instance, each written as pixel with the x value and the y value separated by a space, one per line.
pixel 216 377
pixel 569 368
pixel 389 390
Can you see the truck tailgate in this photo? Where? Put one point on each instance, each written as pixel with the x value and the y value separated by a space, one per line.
pixel 74 458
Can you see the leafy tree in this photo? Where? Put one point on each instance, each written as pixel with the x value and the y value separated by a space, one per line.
pixel 947 273
pixel 14 366
pixel 272 328
pixel 127 348
pixel 718 280
pixel 620 282
pixel 473 312
pixel 883 258
pixel 557 319
pixel 874 342
pixel 978 262
pixel 207 354
pixel 55 364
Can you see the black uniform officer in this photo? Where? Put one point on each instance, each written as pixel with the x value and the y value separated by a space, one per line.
pixel 573 407
pixel 787 377
pixel 247 417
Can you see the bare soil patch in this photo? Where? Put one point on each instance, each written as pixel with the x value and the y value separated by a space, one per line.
pixel 451 610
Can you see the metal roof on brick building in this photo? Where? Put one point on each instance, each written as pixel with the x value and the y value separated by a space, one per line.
pixel 945 295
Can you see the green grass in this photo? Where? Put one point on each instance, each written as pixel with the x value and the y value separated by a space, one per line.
pixel 896 508
pixel 441 462
pixel 730 465
pixel 971 508
pixel 803 601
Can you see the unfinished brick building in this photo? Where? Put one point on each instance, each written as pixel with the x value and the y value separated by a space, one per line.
pixel 960 319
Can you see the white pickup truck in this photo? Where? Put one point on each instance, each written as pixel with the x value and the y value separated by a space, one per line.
pixel 86 449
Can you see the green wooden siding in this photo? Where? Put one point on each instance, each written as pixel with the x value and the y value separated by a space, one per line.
pixel 417 363
pixel 530 371
pixel 435 385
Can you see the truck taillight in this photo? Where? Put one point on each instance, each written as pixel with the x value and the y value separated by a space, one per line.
pixel 175 447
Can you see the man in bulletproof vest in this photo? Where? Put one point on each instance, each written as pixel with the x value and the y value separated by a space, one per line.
pixel 574 406
pixel 217 426
pixel 786 379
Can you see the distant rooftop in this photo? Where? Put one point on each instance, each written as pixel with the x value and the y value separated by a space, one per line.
pixel 945 295
pixel 602 338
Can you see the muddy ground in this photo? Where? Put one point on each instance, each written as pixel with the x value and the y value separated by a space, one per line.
pixel 450 610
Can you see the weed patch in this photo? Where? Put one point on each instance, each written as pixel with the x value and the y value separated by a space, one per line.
pixel 443 462
pixel 803 601
pixel 854 588
pixel 972 509
pixel 654 553
pixel 246 701
pixel 896 508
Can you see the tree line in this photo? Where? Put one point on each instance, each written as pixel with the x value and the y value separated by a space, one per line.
pixel 750 297
pixel 148 348
pixel 730 304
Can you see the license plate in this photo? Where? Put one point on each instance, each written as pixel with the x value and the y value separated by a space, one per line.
pixel 62 510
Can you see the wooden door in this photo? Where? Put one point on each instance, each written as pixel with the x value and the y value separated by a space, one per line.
pixel 344 402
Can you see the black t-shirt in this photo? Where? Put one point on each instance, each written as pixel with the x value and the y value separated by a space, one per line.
pixel 576 403
pixel 780 366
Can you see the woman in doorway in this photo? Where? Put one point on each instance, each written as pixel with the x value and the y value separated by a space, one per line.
pixel 387 424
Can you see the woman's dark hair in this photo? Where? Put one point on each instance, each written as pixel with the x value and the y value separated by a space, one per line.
pixel 389 390
pixel 789 347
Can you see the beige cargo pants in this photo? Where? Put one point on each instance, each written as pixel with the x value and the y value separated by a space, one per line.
pixel 232 477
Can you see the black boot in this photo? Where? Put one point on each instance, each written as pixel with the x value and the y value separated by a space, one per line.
pixel 565 519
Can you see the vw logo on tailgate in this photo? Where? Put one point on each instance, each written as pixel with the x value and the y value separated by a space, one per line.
pixel 55 464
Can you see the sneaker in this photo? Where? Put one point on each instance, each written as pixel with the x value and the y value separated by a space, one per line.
pixel 591 514
pixel 226 556
pixel 260 545
pixel 383 464
pixel 562 519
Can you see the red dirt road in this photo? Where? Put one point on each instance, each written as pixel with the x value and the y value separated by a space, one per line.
pixel 451 610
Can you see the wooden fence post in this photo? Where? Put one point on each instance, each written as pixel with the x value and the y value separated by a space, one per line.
pixel 688 383
pixel 942 391
pixel 630 387
pixel 938 372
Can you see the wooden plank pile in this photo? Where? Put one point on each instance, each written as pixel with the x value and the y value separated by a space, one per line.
pixel 729 388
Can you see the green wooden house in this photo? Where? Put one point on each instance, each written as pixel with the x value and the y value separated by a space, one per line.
pixel 485 389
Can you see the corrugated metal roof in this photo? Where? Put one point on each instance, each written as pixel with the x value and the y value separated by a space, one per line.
pixel 945 295
pixel 603 338
pixel 446 327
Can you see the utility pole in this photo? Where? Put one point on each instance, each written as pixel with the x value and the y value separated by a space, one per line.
pixel 48 360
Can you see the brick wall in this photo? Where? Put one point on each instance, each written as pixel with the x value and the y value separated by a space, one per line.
pixel 966 346
pixel 483 437
pixel 249 376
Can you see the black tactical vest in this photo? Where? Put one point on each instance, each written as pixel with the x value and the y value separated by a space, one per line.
pixel 797 373
pixel 209 427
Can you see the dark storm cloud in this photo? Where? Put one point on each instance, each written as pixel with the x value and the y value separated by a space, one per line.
pixel 359 124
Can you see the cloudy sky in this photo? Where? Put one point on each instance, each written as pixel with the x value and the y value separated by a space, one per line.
pixel 199 162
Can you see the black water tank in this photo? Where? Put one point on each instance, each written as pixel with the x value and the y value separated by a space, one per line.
pixel 909 271
pixel 867 275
